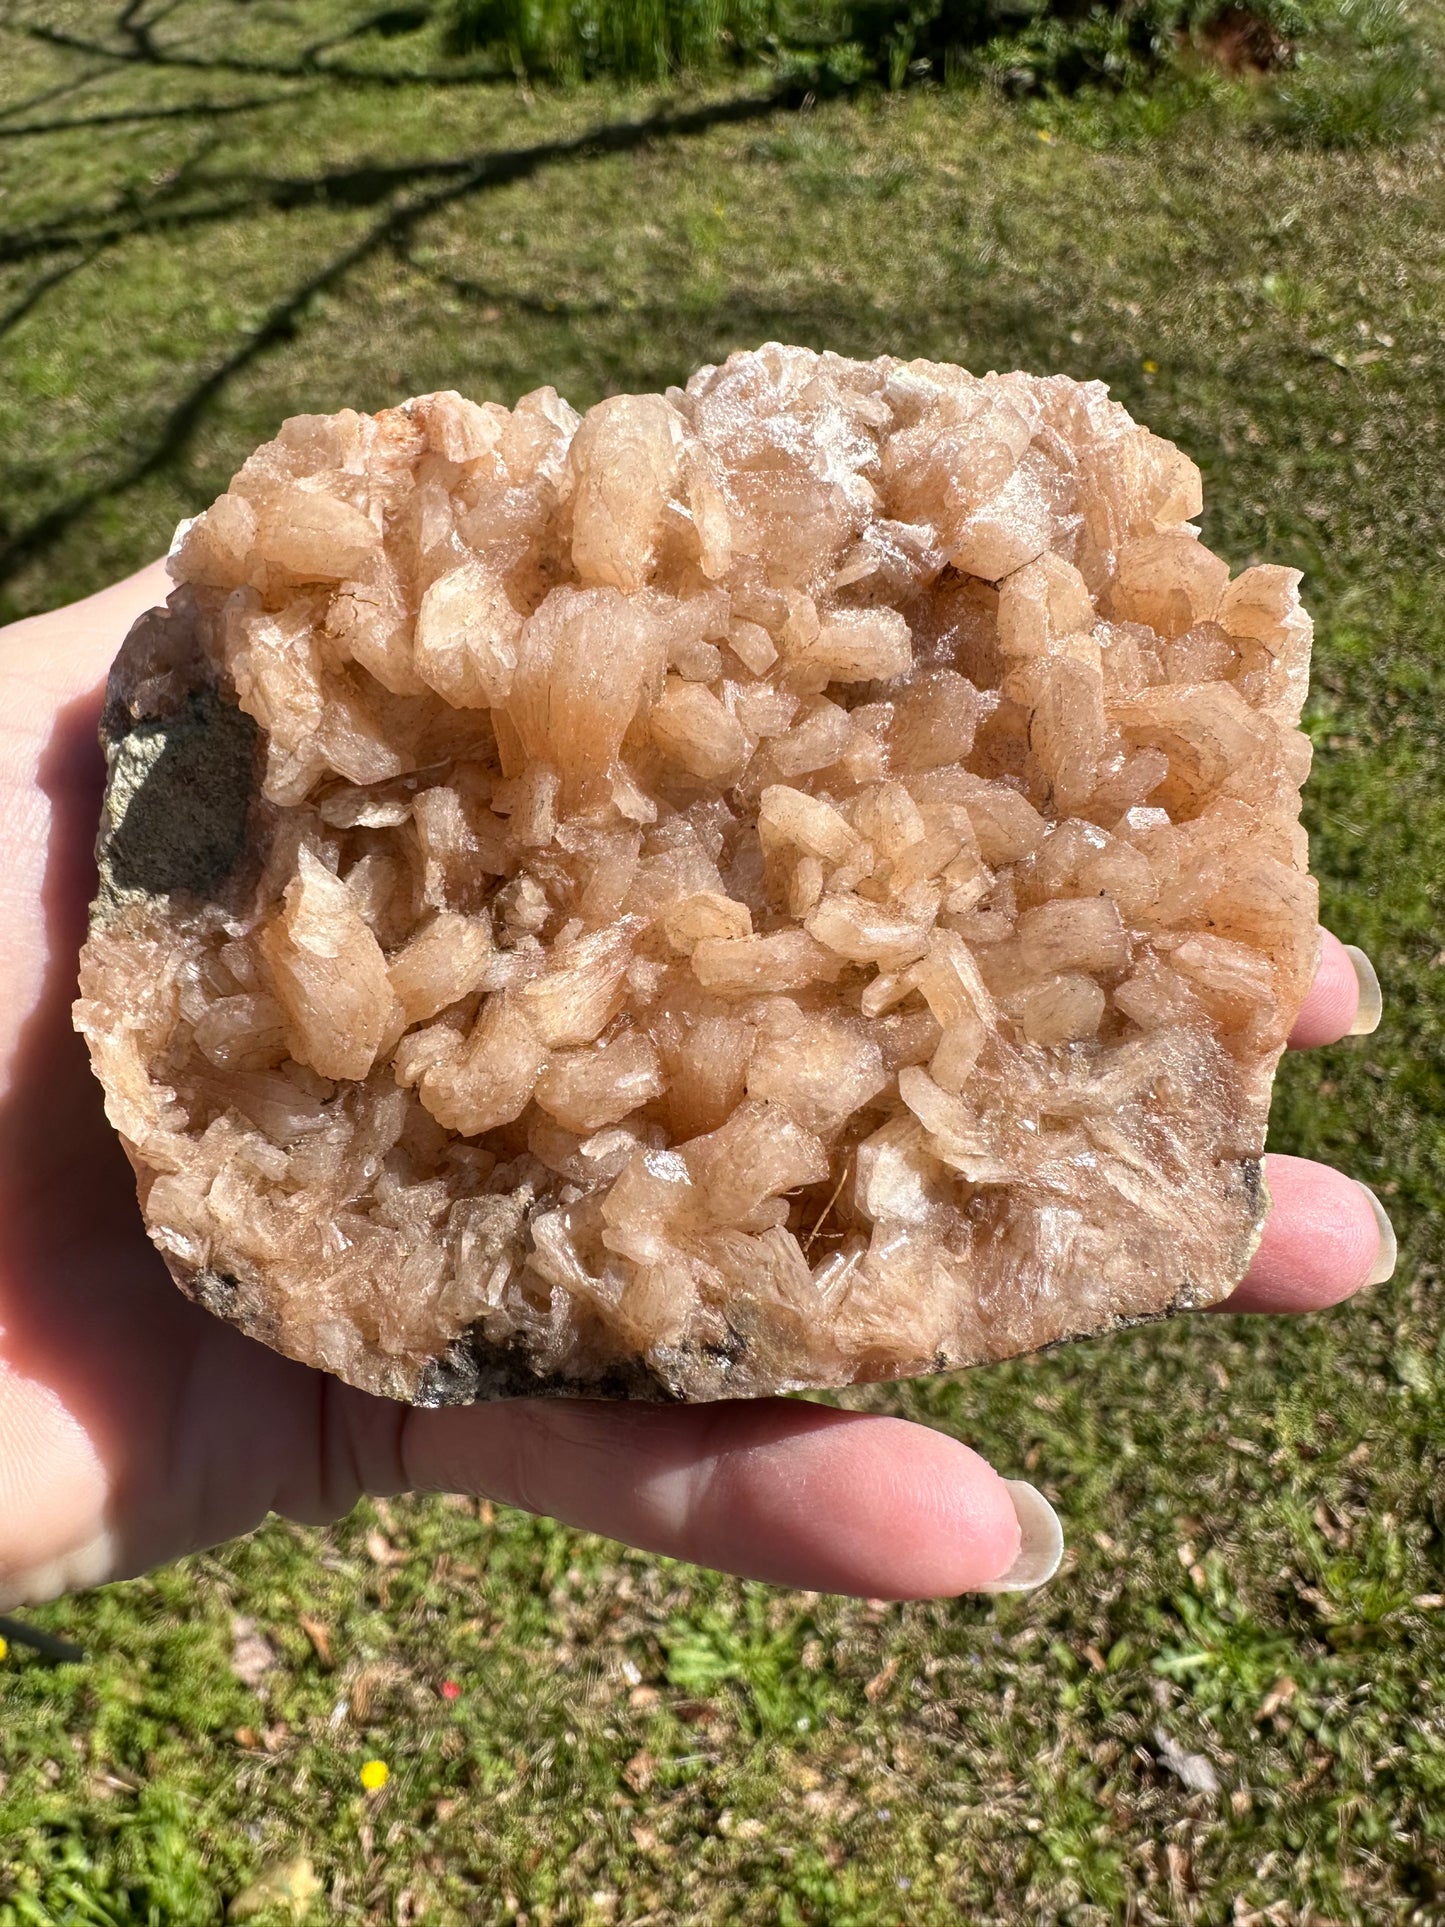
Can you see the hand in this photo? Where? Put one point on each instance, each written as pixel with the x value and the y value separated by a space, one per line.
pixel 134 1427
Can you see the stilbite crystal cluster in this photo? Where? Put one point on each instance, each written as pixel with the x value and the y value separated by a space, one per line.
pixel 791 881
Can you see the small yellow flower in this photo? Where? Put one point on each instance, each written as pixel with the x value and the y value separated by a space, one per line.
pixel 4 1647
pixel 1044 134
pixel 1151 367
pixel 374 1775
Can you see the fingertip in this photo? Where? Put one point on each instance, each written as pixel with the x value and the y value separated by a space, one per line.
pixel 1345 999
pixel 1322 1241
pixel 873 1506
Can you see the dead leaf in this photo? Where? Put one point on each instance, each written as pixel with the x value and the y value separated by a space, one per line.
pixel 1181 1871
pixel 639 1771
pixel 362 1689
pixel 700 1712
pixel 1280 1694
pixel 291 1884
pixel 881 1681
pixel 320 1637
pixel 368 1685
pixel 108 1781
pixel 381 1551
pixel 1193 1769
pixel 252 1656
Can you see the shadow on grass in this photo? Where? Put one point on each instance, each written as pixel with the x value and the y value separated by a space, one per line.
pixel 12 316
pixel 62 90
pixel 139 46
pixel 402 196
pixel 206 110
pixel 406 202
pixel 87 248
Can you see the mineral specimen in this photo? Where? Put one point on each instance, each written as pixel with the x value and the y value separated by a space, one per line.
pixel 791 881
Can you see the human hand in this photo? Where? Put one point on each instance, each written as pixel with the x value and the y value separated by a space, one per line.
pixel 134 1427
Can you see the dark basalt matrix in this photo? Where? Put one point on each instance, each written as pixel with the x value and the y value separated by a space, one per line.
pixel 792 881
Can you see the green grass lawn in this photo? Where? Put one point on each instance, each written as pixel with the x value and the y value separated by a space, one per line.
pixel 201 231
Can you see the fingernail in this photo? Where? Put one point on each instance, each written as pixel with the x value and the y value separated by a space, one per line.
pixel 1041 1541
pixel 1384 1265
pixel 1372 1001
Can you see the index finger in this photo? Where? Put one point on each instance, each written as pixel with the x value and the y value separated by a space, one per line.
pixel 1344 1000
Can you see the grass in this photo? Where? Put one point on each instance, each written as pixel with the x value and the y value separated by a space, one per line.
pixel 1346 72
pixel 641 39
pixel 200 232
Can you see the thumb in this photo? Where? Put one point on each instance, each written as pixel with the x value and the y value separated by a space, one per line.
pixel 796 1494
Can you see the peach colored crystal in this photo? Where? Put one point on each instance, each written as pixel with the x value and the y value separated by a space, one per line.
pixel 793 881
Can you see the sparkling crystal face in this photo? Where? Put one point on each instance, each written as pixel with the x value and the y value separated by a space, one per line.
pixel 793 881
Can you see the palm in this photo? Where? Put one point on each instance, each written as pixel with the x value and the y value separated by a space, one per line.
pixel 134 1427
pixel 169 1426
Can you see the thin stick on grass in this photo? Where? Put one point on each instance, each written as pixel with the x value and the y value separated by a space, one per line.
pixel 63 1651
